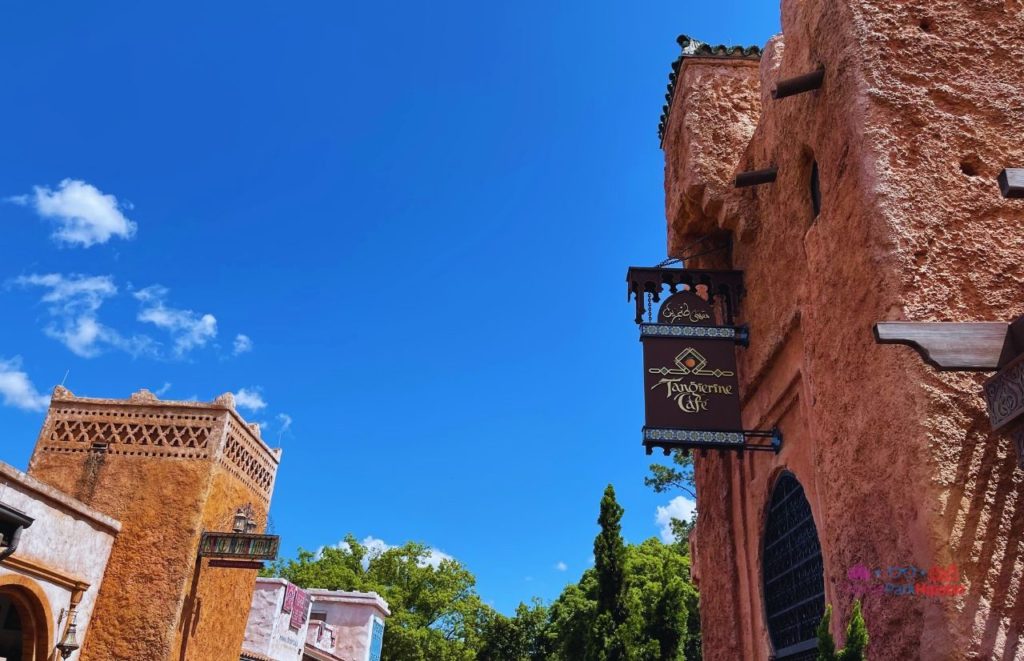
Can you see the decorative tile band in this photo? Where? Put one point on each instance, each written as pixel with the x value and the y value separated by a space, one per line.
pixel 688 436
pixel 672 330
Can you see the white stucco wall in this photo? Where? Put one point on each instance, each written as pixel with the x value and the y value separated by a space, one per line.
pixel 351 615
pixel 269 632
pixel 66 537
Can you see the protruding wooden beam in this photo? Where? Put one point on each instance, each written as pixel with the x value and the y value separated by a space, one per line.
pixel 949 346
pixel 756 177
pixel 805 83
pixel 1011 182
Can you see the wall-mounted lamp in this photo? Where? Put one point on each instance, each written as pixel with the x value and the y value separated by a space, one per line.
pixel 69 643
pixel 245 520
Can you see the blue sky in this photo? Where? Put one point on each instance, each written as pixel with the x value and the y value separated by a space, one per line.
pixel 401 229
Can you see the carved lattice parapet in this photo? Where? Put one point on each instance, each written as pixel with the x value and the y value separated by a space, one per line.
pixel 248 459
pixel 144 426
pixel 128 431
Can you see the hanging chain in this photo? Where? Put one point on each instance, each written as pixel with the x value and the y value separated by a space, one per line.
pixel 650 304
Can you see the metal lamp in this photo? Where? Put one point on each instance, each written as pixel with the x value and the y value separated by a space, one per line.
pixel 69 643
pixel 241 520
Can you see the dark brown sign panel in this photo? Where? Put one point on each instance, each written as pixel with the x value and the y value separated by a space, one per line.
pixel 690 385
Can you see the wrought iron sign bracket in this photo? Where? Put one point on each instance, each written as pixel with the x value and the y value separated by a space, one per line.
pixel 686 440
pixel 726 286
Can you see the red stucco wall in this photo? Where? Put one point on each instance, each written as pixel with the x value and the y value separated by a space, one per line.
pixel 914 121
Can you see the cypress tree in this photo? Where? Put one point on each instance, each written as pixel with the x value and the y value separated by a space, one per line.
pixel 610 567
pixel 826 644
pixel 856 636
pixel 610 559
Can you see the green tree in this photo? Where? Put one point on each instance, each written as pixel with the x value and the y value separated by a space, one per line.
pixel 610 559
pixel 856 637
pixel 826 643
pixel 679 476
pixel 571 618
pixel 436 614
pixel 668 626
pixel 610 567
pixel 522 637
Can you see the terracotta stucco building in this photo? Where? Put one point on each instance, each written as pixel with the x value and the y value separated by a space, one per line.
pixel 885 207
pixel 168 472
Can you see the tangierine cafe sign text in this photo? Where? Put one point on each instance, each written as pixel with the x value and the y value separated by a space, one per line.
pixel 691 388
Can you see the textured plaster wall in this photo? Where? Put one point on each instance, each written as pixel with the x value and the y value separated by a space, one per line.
pixel 922 106
pixel 269 630
pixel 216 608
pixel 351 615
pixel 65 537
pixel 722 102
pixel 155 604
pixel 158 502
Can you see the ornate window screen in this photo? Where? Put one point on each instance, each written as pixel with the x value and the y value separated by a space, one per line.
pixel 794 585
pixel 376 640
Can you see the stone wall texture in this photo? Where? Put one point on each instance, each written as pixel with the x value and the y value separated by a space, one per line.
pixel 167 471
pixel 922 105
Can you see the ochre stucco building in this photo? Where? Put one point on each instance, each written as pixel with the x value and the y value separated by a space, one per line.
pixel 885 207
pixel 167 471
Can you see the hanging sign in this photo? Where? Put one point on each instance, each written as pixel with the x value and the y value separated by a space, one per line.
pixel 300 606
pixel 691 387
pixel 238 546
pixel 1004 392
pixel 691 391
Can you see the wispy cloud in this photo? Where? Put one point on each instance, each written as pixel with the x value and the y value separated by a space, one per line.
pixel 162 390
pixel 84 215
pixel 243 344
pixel 285 421
pixel 250 399
pixel 188 330
pixel 561 566
pixel 681 508
pixel 17 389
pixel 74 301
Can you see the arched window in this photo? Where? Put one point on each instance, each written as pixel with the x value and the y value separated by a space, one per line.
pixel 794 584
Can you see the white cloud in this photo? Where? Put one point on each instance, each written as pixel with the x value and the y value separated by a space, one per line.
pixel 285 420
pixel 17 389
pixel 162 390
pixel 74 302
pixel 243 344
pixel 561 566
pixel 188 329
pixel 250 398
pixel 375 547
pixel 84 215
pixel 681 508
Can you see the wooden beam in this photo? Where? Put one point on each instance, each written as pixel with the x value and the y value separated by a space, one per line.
pixel 949 346
pixel 756 177
pixel 805 83
pixel 1011 182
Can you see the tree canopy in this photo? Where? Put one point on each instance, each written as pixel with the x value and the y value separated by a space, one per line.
pixel 636 603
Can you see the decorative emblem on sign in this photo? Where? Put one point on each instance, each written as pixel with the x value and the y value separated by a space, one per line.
pixel 690 379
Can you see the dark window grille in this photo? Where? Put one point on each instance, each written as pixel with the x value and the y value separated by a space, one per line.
pixel 794 584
